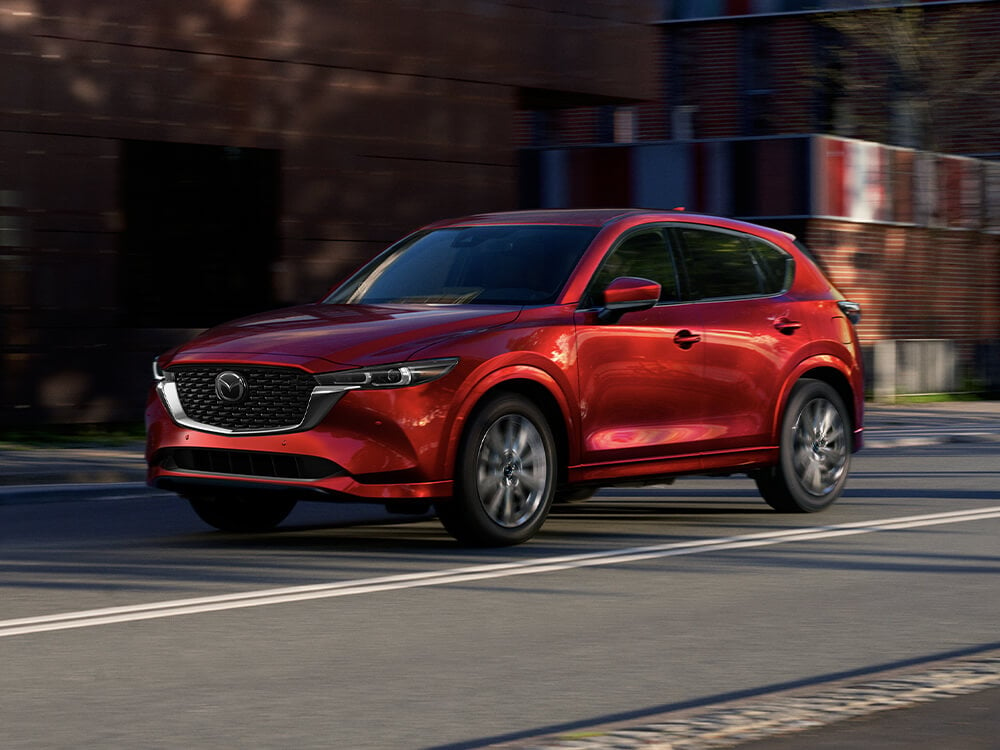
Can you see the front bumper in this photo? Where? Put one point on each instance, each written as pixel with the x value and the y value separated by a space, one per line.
pixel 353 454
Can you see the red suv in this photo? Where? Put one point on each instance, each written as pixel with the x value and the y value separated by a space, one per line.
pixel 492 365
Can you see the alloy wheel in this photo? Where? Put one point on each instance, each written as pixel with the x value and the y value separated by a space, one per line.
pixel 511 470
pixel 820 447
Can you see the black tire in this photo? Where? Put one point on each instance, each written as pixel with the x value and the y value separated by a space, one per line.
pixel 241 513
pixel 815 451
pixel 505 475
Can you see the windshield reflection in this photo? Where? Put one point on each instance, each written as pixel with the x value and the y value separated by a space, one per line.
pixel 492 265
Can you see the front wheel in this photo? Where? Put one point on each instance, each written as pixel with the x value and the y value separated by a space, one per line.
pixel 506 475
pixel 815 451
pixel 245 514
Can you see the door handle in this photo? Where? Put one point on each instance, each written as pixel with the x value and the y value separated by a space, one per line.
pixel 786 326
pixel 685 339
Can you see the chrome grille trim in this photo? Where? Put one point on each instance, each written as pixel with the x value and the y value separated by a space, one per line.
pixel 321 400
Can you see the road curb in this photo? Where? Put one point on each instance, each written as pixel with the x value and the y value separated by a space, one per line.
pixel 921 442
pixel 75 491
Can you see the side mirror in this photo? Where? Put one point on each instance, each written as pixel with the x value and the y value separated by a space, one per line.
pixel 627 294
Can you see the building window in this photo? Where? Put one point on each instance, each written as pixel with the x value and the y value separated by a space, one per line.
pixel 756 84
pixel 832 104
pixel 680 75
pixel 544 127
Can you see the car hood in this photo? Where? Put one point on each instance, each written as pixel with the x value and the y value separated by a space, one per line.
pixel 344 335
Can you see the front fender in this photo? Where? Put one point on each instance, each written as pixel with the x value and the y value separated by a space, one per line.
pixel 494 377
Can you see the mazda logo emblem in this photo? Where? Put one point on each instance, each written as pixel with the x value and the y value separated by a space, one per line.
pixel 230 387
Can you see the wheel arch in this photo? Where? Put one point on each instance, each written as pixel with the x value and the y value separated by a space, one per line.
pixel 532 385
pixel 836 379
pixel 542 397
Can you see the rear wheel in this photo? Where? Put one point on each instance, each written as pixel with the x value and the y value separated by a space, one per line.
pixel 815 451
pixel 506 475
pixel 241 513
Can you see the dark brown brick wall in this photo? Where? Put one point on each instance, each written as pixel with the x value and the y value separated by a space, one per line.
pixel 385 115
pixel 914 283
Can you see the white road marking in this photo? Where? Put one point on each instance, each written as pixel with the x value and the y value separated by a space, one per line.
pixel 198 605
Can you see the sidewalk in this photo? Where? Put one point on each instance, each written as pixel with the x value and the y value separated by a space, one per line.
pixel 886 426
pixel 36 466
pixel 908 425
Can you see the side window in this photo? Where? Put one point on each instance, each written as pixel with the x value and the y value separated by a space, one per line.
pixel 718 264
pixel 645 256
pixel 776 267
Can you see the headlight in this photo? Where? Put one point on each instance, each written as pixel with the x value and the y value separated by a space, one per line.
pixel 390 376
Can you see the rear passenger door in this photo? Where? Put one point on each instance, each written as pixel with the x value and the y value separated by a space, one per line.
pixel 749 330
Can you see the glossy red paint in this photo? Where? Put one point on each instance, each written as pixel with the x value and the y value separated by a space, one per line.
pixel 689 385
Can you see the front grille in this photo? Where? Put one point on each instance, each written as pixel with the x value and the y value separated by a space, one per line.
pixel 248 463
pixel 276 397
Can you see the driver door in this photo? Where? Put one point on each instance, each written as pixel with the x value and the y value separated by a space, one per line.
pixel 640 378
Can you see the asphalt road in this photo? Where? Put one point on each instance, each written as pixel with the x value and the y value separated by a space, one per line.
pixel 124 622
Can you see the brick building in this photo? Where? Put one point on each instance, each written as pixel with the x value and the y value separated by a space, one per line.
pixel 166 165
pixel 796 114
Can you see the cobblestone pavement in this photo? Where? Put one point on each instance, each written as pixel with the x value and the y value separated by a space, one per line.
pixel 735 724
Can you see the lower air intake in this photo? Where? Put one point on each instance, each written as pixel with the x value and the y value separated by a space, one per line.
pixel 248 463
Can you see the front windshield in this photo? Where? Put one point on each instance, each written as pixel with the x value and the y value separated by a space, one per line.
pixel 485 265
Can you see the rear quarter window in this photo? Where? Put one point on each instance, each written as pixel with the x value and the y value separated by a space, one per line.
pixel 775 267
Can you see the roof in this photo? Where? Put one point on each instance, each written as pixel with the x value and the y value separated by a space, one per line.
pixel 591 217
pixel 599 217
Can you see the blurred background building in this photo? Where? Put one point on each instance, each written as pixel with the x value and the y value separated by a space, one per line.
pixel 168 165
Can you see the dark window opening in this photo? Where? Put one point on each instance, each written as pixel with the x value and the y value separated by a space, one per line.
pixel 680 73
pixel 721 265
pixel 757 84
pixel 551 114
pixel 200 235
pixel 831 103
pixel 775 268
